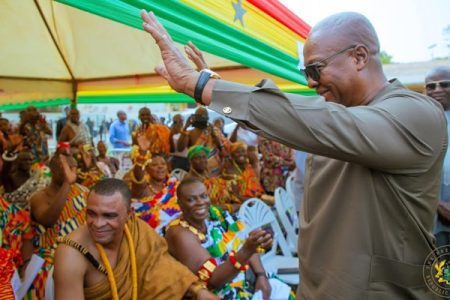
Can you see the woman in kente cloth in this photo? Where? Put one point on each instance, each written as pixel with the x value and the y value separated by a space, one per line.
pixel 243 176
pixel 221 252
pixel 154 193
pixel 220 191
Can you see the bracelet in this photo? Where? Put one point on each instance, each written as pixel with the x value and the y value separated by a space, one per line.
pixel 237 265
pixel 206 270
pixel 258 274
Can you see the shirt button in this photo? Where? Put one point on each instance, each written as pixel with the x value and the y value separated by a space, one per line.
pixel 227 110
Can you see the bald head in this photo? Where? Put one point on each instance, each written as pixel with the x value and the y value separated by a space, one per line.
pixel 344 29
pixel 342 59
pixel 438 73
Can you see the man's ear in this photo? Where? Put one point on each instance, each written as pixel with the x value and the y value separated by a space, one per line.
pixel 361 55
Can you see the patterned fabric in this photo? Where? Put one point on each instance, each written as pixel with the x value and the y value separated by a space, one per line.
pixel 71 217
pixel 35 139
pixel 40 178
pixel 158 210
pixel 15 225
pixel 91 177
pixel 214 159
pixel 273 170
pixel 81 133
pixel 220 191
pixel 248 183
pixel 7 268
pixel 159 137
pixel 224 234
pixel 15 228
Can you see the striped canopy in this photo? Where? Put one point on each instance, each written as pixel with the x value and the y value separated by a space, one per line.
pixel 59 50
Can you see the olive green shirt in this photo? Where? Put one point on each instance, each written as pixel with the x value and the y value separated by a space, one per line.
pixel 371 188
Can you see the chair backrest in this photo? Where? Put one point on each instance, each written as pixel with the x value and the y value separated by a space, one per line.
pixel 254 213
pixel 293 196
pixel 288 216
pixel 178 174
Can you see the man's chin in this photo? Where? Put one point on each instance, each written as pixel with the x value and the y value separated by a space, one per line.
pixel 102 240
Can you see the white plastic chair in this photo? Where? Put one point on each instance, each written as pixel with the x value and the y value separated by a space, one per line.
pixel 292 194
pixel 288 217
pixel 254 214
pixel 178 174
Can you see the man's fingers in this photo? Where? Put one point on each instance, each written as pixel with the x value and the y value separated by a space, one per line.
pixel 145 16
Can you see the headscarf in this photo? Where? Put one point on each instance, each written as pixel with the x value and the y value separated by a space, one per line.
pixel 197 149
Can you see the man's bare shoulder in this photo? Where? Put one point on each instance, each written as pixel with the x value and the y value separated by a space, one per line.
pixel 67 258
pixel 81 237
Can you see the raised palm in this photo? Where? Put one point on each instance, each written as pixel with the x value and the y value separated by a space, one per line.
pixel 143 142
pixel 176 69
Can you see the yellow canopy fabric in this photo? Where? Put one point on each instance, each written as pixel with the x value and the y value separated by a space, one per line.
pixel 48 48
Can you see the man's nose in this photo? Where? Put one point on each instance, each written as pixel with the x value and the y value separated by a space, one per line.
pixel 311 82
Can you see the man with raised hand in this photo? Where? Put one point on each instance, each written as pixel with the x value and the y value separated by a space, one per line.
pixel 377 151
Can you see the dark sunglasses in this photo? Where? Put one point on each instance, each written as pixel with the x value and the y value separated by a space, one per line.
pixel 313 70
pixel 431 86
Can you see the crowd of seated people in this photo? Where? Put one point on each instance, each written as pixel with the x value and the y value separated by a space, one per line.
pixel 43 195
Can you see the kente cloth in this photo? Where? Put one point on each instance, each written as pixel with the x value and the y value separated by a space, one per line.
pixel 91 177
pixel 248 183
pixel 214 159
pixel 161 208
pixel 160 276
pixel 81 131
pixel 8 258
pixel 35 139
pixel 14 229
pixel 158 136
pixel 71 217
pixel 224 234
pixel 274 170
pixel 220 191
pixel 14 224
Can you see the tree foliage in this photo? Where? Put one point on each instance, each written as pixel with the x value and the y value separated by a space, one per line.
pixel 385 58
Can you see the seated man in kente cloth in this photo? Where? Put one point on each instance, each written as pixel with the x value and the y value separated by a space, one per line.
pixel 118 256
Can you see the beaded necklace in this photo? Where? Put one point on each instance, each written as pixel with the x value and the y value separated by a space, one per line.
pixel 109 270
pixel 153 190
pixel 201 236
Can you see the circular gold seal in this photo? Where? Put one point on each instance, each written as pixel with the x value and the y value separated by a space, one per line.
pixel 436 271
